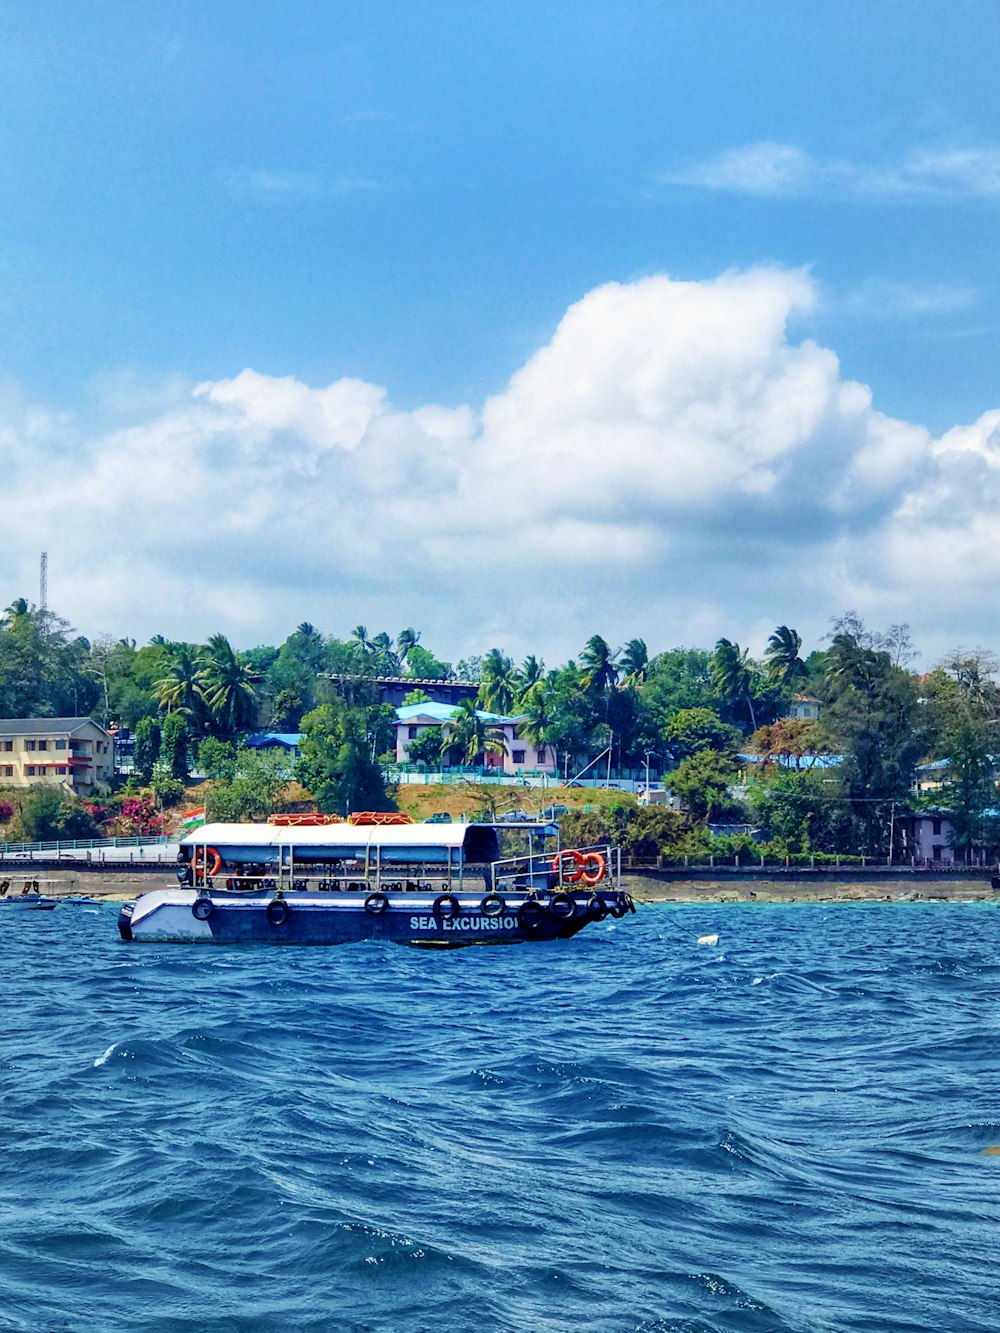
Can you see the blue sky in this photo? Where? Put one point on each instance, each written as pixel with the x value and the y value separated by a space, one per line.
pixel 406 200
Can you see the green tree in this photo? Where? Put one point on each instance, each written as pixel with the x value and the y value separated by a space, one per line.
pixel 471 734
pixel 252 792
pixel 680 678
pixel 805 810
pixel 225 685
pixel 179 689
pixel 48 814
pixel 336 764
pixel 174 743
pixel 732 676
pixel 871 716
pixel 406 641
pixel 783 660
pixel 635 662
pixel 703 783
pixel 423 665
pixel 499 686
pixel 426 747
pixel 532 672
pixel 217 759
pixel 691 730
pixel 599 666
pixel 146 750
pixel 965 703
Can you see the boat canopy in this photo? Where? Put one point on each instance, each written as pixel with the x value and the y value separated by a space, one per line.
pixel 396 844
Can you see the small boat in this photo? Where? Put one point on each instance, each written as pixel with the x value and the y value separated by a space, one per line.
pixel 29 902
pixel 433 885
pixel 27 898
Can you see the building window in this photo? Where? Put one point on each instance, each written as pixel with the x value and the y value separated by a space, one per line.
pixel 541 754
pixel 8 770
pixel 411 733
pixel 29 745
pixel 936 829
pixel 60 745
pixel 30 770
pixel 8 745
pixel 518 756
pixel 43 745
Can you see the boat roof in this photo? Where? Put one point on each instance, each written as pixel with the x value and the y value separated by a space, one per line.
pixel 478 842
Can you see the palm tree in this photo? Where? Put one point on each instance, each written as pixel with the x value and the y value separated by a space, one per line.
pixel 532 671
pixel 536 723
pixel 635 661
pixel 469 730
pixel 225 686
pixel 387 663
pixel 782 653
pixel 599 666
pixel 180 689
pixel 360 634
pixel 498 688
pixel 405 640
pixel 732 672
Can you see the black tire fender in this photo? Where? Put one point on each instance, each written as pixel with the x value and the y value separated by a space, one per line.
pixel 561 906
pixel 597 908
pixel 447 906
pixel 202 909
pixel 530 915
pixel 277 911
pixel 494 904
pixel 376 903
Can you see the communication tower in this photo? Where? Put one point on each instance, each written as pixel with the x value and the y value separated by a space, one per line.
pixel 43 583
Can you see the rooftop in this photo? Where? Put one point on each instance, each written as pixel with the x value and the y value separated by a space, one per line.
pixel 45 726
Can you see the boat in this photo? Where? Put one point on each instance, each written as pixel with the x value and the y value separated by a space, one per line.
pixel 28 899
pixel 431 885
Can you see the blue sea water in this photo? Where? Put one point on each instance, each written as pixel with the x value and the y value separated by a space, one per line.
pixel 627 1130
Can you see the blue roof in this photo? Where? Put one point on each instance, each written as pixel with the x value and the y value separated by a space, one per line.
pixel 289 739
pixel 442 712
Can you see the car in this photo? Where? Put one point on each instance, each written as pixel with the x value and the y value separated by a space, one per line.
pixel 515 817
pixel 553 812
pixel 439 817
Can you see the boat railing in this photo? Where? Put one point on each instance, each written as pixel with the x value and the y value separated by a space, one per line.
pixel 570 868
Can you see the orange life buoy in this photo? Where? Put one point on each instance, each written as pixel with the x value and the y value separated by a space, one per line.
pixel 202 865
pixel 572 876
pixel 593 869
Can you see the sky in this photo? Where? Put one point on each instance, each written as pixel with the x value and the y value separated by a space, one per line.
pixel 513 322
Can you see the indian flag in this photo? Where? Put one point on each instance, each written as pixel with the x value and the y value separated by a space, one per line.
pixel 193 819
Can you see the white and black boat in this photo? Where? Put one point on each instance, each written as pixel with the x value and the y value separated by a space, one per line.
pixel 337 883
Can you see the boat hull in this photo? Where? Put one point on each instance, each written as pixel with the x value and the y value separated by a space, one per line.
pixel 184 916
pixel 29 902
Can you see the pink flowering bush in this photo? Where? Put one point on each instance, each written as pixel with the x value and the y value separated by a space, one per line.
pixel 138 818
pixel 6 812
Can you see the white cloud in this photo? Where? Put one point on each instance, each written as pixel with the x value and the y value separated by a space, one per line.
pixel 778 169
pixel 668 465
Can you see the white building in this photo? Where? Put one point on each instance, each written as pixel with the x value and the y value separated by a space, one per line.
pixel 520 755
pixel 74 752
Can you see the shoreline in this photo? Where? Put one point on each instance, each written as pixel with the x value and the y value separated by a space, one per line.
pixel 650 889
pixel 123 884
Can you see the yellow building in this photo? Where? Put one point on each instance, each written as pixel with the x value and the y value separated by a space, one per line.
pixel 75 752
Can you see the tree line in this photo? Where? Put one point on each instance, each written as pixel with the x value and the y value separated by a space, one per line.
pixel 714 723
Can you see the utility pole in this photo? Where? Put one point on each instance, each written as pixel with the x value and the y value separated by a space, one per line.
pixel 43 583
